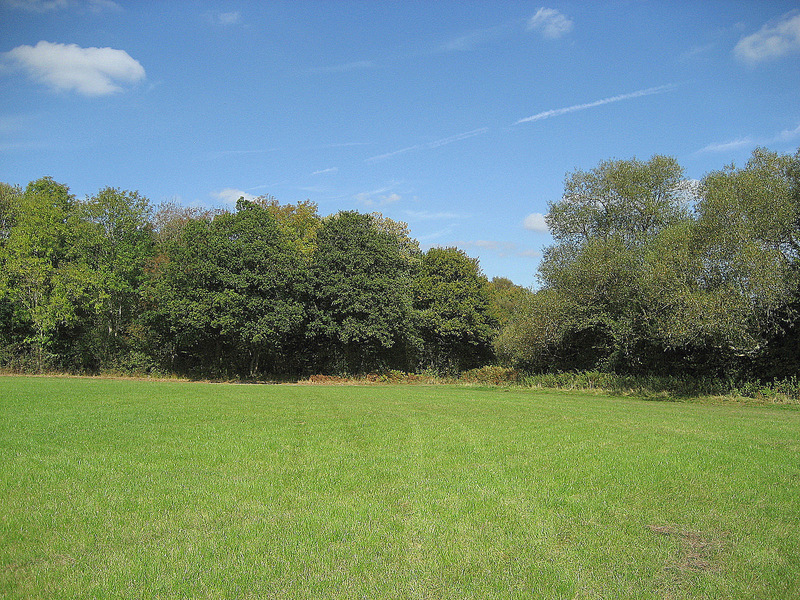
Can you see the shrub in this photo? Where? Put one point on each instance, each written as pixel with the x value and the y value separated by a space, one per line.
pixel 491 375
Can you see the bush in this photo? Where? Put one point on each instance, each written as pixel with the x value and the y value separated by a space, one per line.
pixel 491 375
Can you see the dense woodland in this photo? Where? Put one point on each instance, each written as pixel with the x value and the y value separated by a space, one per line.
pixel 649 273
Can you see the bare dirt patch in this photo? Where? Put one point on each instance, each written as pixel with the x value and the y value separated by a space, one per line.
pixel 696 550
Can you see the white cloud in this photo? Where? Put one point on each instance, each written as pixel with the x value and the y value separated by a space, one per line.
pixel 557 112
pixel 371 199
pixel 788 134
pixel 395 153
pixel 232 195
pixel 536 222
pixel 42 6
pixel 223 19
pixel 500 248
pixel 456 138
pixel 773 40
pixel 229 18
pixel 101 5
pixel 331 171
pixel 728 146
pixel 551 23
pixel 68 67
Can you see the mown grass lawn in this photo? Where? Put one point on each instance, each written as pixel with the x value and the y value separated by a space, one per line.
pixel 136 489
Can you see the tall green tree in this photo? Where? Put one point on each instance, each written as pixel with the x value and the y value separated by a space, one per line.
pixel 225 298
pixel 299 222
pixel 452 311
pixel 749 232
pixel 44 275
pixel 9 206
pixel 648 285
pixel 505 297
pixel 118 244
pixel 360 296
pixel 602 227
pixel 630 200
pixel 12 329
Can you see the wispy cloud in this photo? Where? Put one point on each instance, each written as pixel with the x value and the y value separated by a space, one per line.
pixel 435 235
pixel 358 65
pixel 501 248
pixel 425 215
pixel 377 198
pixel 729 146
pixel 395 153
pixel 43 6
pixel 331 171
pixel 551 23
pixel 68 67
pixel 430 145
pixel 787 135
pixel 697 51
pixel 39 6
pixel 557 112
pixel 473 39
pixel 343 145
pixel 13 123
pixel 775 39
pixel 224 18
pixel 535 222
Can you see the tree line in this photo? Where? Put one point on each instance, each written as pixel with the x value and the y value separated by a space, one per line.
pixel 109 283
pixel 648 273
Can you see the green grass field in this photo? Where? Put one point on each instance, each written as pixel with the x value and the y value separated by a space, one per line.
pixel 136 489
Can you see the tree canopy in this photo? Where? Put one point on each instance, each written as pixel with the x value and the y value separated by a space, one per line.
pixel 648 273
pixel 651 273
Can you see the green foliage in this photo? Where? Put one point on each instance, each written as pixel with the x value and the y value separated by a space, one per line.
pixel 10 196
pixel 44 274
pixel 359 298
pixel 225 298
pixel 628 199
pixel 648 274
pixel 452 311
pixel 638 283
pixel 504 299
pixel 118 244
pixel 491 375
pixel 300 222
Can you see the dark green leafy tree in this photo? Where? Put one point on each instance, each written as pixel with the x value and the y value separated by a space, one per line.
pixel 360 297
pixel 225 296
pixel 603 226
pixel 452 311
pixel 12 330
pixel 749 227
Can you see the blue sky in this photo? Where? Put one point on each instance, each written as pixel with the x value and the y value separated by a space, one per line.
pixel 460 118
